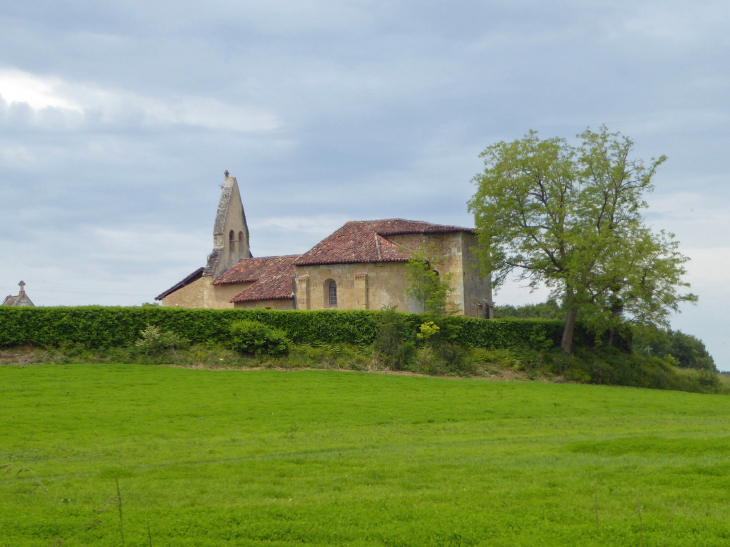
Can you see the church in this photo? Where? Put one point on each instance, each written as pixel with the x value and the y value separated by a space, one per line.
pixel 22 300
pixel 361 266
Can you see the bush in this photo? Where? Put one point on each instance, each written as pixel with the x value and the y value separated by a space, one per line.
pixel 394 344
pixel 443 354
pixel 155 341
pixel 256 338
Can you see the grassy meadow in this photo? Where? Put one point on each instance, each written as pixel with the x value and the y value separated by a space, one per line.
pixel 264 457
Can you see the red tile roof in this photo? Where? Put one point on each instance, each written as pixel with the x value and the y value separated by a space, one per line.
pixel 271 277
pixel 364 241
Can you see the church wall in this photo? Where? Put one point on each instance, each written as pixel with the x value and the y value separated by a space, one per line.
pixel 203 294
pixel 359 286
pixel 278 304
pixel 190 296
pixel 448 246
pixel 477 289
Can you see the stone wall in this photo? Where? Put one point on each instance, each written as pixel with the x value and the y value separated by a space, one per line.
pixel 203 294
pixel 477 289
pixel 448 246
pixel 359 286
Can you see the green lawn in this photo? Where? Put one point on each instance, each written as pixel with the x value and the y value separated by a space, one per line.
pixel 337 458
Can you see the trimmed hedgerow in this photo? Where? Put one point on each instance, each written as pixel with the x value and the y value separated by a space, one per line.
pixel 98 327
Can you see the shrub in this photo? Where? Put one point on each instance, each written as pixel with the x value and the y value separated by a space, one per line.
pixel 256 338
pixel 155 341
pixel 394 344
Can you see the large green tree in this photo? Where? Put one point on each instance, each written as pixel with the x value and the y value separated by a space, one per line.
pixel 571 218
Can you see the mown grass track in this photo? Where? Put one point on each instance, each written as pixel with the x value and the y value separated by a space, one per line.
pixel 211 458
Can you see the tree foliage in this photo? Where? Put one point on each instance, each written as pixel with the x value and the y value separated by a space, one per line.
pixel 571 218
pixel 688 351
pixel 550 309
pixel 427 286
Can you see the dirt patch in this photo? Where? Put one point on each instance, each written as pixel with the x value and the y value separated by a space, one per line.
pixel 498 375
pixel 29 356
pixel 24 356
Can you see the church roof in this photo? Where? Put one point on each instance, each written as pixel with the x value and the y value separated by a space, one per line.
pixel 366 241
pixel 271 278
pixel 21 300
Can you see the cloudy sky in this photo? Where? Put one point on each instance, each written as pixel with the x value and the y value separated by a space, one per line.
pixel 117 120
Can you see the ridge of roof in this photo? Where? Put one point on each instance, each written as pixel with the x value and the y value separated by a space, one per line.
pixel 248 270
pixel 270 278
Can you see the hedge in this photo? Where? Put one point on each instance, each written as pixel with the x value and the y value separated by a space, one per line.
pixel 98 327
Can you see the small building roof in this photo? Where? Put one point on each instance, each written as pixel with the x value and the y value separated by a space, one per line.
pixel 21 300
pixel 270 277
pixel 365 241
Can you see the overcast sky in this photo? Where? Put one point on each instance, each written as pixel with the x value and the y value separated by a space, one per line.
pixel 117 120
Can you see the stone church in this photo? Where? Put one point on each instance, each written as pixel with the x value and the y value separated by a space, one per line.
pixel 362 266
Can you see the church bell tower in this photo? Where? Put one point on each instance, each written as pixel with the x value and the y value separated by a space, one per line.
pixel 230 232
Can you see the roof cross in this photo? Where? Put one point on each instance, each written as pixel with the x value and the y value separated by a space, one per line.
pixel 22 286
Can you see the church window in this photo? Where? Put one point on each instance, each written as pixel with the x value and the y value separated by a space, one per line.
pixel 241 246
pixel 231 246
pixel 333 294
pixel 330 299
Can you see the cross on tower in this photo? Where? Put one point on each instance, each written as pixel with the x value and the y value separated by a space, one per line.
pixel 22 286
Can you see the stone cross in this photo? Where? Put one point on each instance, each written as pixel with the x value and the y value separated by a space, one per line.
pixel 22 286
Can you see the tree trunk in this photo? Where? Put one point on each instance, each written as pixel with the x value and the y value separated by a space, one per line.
pixel 610 336
pixel 567 343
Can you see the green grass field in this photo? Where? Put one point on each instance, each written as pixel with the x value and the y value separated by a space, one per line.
pixel 213 457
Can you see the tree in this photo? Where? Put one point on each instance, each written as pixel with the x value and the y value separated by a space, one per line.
pixel 430 289
pixel 640 283
pixel 688 351
pixel 570 218
pixel 543 310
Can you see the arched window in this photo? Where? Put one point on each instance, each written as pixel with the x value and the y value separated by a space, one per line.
pixel 331 294
pixel 241 246
pixel 231 246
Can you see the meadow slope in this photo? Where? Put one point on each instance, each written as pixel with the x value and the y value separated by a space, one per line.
pixel 214 457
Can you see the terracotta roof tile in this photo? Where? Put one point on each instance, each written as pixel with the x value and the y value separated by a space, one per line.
pixel 271 278
pixel 364 241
